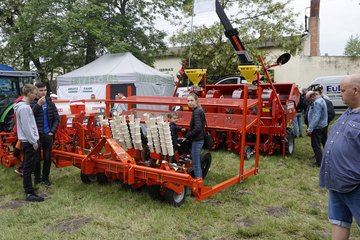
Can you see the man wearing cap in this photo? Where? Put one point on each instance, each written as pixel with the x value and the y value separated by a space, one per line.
pixel 317 123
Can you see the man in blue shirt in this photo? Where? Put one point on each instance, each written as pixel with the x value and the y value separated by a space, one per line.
pixel 317 123
pixel 47 121
pixel 340 168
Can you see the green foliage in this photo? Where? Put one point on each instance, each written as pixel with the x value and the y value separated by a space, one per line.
pixel 260 24
pixel 63 35
pixel 352 47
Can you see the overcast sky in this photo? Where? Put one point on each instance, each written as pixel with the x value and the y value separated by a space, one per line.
pixel 339 19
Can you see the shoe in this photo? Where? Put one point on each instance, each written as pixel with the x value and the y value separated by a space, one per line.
pixel 37 182
pixel 32 197
pixel 19 171
pixel 47 183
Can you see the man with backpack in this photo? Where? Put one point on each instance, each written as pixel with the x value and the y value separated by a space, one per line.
pixel 317 123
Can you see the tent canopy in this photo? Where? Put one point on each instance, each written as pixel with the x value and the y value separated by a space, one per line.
pixel 115 68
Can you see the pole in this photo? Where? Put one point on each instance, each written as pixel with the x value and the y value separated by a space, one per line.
pixel 191 33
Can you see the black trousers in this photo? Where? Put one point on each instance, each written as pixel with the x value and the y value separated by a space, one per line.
pixel 318 138
pixel 30 157
pixel 46 142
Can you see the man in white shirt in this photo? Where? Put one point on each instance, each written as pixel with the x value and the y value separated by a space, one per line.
pixel 119 107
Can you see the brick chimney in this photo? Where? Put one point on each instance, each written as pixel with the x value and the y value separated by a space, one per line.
pixel 314 28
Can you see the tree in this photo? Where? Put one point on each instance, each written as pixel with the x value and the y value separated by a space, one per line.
pixel 352 47
pixel 63 35
pixel 260 24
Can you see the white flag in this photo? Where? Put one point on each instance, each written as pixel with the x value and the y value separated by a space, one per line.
pixel 202 6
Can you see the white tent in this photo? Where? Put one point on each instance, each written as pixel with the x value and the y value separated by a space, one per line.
pixel 122 68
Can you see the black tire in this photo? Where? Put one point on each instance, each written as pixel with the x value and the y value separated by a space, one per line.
pixel 102 178
pixel 88 178
pixel 155 192
pixel 290 141
pixel 205 159
pixel 8 124
pixel 175 199
pixel 247 152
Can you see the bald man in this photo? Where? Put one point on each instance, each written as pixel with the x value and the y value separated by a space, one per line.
pixel 340 167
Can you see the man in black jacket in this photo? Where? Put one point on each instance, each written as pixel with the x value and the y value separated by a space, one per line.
pixel 47 121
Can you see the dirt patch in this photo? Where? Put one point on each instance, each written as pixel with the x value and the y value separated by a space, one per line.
pixel 212 202
pixel 322 208
pixel 70 225
pixel 14 204
pixel 277 211
pixel 244 222
pixel 241 192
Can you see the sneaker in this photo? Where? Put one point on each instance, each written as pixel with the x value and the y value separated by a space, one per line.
pixel 37 181
pixel 32 197
pixel 19 171
pixel 47 183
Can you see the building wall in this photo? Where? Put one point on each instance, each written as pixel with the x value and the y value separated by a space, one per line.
pixel 304 69
pixel 170 65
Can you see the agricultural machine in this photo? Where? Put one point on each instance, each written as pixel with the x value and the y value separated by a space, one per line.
pixel 276 113
pixel 138 158
pixel 278 100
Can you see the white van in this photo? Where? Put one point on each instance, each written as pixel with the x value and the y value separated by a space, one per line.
pixel 331 88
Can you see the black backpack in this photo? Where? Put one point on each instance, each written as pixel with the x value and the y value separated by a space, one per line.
pixel 330 110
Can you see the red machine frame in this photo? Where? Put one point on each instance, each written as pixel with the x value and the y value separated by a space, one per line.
pixel 110 162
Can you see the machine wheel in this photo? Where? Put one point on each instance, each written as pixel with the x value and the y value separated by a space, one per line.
pixel 88 178
pixel 8 124
pixel 205 159
pixel 102 178
pixel 290 141
pixel 175 199
pixel 247 152
pixel 155 192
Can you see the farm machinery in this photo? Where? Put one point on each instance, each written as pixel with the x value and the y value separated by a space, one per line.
pixel 276 112
pixel 121 153
pixel 278 100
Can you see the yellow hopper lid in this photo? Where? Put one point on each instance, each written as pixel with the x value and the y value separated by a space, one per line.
pixel 195 75
pixel 249 72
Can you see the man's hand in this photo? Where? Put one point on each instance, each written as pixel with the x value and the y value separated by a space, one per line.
pixel 50 133
pixel 41 101
pixel 308 133
pixel 35 146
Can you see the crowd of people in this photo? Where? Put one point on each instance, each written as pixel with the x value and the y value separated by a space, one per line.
pixel 37 120
pixel 336 153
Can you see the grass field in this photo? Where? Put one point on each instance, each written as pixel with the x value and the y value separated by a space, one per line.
pixel 282 202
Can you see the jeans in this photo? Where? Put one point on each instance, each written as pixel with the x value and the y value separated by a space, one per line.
pixel 30 156
pixel 343 207
pixel 196 147
pixel 318 138
pixel 46 142
pixel 298 123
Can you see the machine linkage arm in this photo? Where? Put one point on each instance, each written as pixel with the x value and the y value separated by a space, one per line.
pixel 233 35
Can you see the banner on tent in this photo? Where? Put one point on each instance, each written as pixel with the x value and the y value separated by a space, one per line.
pixel 78 92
